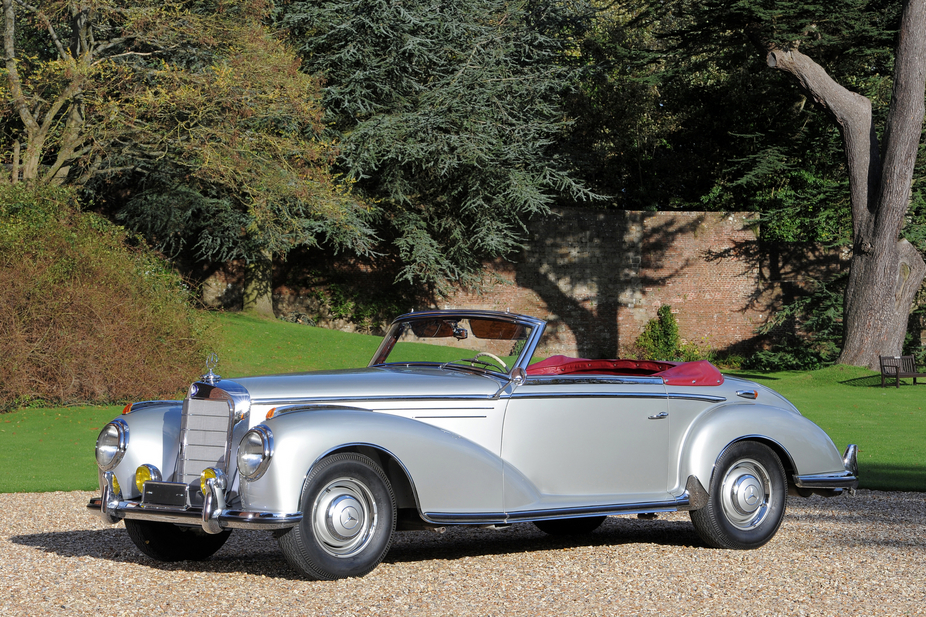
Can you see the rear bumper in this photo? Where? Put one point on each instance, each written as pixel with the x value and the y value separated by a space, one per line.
pixel 833 483
pixel 212 516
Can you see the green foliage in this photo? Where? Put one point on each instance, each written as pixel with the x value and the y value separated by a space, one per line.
pixel 808 331
pixel 660 339
pixel 368 312
pixel 192 119
pixel 448 115
pixel 84 317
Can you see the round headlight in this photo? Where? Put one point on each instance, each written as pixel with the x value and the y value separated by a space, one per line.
pixel 254 452
pixel 111 444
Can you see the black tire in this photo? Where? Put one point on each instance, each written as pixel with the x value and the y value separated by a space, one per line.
pixel 570 526
pixel 349 518
pixel 747 501
pixel 169 542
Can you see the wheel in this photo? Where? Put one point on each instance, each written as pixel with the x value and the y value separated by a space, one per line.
pixel 747 498
pixel 349 513
pixel 169 542
pixel 570 526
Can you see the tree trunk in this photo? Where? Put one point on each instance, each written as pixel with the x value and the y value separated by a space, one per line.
pixel 258 286
pixel 886 271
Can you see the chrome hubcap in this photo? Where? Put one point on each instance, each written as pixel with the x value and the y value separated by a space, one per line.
pixel 344 517
pixel 746 494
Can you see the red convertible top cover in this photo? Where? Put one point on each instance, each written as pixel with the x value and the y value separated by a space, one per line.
pixel 699 373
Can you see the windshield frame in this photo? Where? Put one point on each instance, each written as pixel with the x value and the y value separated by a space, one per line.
pixel 536 326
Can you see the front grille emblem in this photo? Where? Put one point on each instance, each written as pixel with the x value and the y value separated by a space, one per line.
pixel 212 360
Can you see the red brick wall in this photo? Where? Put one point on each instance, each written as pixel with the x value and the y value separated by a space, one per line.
pixel 599 276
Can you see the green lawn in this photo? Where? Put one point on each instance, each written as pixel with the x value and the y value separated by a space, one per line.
pixel 49 449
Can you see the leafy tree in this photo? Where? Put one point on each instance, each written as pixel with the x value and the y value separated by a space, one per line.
pixel 764 147
pixel 448 114
pixel 194 111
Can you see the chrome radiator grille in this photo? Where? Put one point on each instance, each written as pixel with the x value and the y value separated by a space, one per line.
pixel 205 431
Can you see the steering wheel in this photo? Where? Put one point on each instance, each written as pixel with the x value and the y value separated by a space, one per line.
pixel 498 361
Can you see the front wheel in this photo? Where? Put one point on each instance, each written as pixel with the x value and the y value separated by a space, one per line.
pixel 747 499
pixel 349 513
pixel 169 542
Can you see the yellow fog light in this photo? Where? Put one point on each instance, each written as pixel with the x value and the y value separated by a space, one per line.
pixel 208 474
pixel 116 488
pixel 145 473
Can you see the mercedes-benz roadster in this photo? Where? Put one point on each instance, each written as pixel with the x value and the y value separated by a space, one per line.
pixel 456 422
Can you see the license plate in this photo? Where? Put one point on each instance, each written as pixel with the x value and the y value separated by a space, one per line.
pixel 166 494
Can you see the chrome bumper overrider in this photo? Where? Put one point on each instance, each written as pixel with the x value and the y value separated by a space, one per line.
pixel 212 516
pixel 838 481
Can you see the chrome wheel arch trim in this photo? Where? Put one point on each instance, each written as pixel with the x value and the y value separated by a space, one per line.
pixel 349 447
pixel 778 449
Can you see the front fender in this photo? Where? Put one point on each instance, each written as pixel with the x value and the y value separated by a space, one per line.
pixel 448 473
pixel 805 448
pixel 154 436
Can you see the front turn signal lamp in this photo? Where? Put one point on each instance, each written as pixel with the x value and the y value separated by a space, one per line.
pixel 145 473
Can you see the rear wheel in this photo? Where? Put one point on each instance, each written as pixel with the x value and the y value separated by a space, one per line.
pixel 169 542
pixel 349 516
pixel 570 526
pixel 747 500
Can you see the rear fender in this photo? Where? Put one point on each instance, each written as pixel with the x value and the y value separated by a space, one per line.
pixel 802 446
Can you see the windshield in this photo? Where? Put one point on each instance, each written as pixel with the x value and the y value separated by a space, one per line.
pixel 482 342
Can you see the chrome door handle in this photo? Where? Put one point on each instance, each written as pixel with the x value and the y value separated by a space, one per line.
pixel 659 416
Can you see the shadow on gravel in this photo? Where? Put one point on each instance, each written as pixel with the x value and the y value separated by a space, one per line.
pixel 461 542
pixel 257 553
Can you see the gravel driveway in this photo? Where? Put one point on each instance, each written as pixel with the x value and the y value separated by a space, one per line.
pixel 861 555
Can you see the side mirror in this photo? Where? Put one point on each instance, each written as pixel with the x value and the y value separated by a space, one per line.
pixel 518 376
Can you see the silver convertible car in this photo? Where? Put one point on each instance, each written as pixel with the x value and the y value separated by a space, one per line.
pixel 456 422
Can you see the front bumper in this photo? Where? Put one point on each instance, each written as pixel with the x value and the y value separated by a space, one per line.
pixel 833 483
pixel 212 516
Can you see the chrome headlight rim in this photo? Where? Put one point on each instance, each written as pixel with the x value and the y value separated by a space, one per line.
pixel 254 452
pixel 109 453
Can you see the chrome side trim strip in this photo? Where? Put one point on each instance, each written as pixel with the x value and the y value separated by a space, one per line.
pixel 496 518
pixel 707 398
pixel 327 400
pixel 571 395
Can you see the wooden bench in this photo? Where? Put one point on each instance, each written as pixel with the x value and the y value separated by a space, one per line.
pixel 898 367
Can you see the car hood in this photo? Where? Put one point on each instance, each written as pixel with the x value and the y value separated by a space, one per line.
pixel 376 382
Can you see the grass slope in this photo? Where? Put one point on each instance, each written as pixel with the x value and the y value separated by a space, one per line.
pixel 49 449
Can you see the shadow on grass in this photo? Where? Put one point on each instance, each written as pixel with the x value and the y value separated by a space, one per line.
pixel 880 477
pixel 869 381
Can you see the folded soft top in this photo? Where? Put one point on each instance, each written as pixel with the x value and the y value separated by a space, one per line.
pixel 698 373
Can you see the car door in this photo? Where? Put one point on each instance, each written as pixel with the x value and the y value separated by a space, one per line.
pixel 585 441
